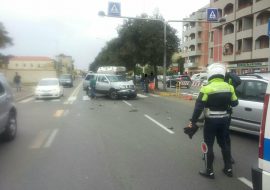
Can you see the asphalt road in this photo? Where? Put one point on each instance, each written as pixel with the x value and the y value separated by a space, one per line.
pixel 79 144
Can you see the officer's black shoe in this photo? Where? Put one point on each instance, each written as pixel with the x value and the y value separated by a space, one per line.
pixel 207 173
pixel 228 172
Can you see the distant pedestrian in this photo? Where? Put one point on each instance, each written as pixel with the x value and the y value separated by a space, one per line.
pixel 146 83
pixel 142 82
pixel 17 81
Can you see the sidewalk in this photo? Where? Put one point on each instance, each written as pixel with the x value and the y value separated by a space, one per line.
pixel 26 91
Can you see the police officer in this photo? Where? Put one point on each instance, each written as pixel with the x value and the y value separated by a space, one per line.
pixel 214 99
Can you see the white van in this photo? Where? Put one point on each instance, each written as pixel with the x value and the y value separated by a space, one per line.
pixel 261 174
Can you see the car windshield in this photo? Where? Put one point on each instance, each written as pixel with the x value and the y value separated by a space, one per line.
pixel 65 76
pixel 48 83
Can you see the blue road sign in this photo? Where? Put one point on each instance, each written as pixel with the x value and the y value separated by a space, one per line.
pixel 268 28
pixel 114 9
pixel 212 15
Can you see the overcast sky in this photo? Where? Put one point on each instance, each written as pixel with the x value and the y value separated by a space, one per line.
pixel 73 27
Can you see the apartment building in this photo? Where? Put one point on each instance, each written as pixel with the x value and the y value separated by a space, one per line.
pixel 241 41
pixel 64 64
pixel 195 42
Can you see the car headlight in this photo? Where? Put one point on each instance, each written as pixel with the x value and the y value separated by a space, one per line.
pixel 122 86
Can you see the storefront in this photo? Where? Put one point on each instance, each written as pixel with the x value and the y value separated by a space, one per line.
pixel 253 67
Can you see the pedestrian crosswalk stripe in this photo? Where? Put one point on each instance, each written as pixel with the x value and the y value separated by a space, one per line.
pixel 85 98
pixel 154 95
pixel 142 96
pixel 27 100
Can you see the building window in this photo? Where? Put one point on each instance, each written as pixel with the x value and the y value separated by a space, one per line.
pixel 228 9
pixel 228 29
pixel 263 18
pixel 212 36
pixel 192 36
pixel 244 3
pixel 228 49
pixel 239 25
pixel 211 52
pixel 247 44
pixel 262 42
pixel 239 47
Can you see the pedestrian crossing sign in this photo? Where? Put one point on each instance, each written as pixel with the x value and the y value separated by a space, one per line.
pixel 212 15
pixel 114 9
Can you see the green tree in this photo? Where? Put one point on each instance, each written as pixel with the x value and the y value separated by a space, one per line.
pixel 4 38
pixel 139 42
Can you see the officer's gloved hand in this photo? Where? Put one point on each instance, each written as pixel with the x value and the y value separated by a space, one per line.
pixel 191 129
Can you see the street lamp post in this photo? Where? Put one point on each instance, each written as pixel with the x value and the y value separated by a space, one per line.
pixel 102 13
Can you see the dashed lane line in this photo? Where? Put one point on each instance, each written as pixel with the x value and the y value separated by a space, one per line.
pixel 39 140
pixel 51 138
pixel 27 100
pixel 159 124
pixel 246 182
pixel 129 104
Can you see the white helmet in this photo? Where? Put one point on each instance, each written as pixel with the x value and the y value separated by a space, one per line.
pixel 216 69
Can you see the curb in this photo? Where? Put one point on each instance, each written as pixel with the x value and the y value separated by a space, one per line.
pixel 24 97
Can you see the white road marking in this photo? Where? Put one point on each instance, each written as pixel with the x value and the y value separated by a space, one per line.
pixel 27 100
pixel 86 98
pixel 73 95
pixel 51 138
pixel 154 95
pixel 39 140
pixel 142 96
pixel 129 104
pixel 66 112
pixel 159 124
pixel 246 182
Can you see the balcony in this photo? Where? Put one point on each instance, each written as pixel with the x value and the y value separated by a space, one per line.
pixel 190 65
pixel 226 58
pixel 260 53
pixel 243 55
pixel 229 38
pixel 244 34
pixel 260 30
pixel 195 53
pixel 244 11
pixel 260 5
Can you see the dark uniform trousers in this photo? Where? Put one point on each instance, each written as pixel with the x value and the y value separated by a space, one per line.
pixel 217 127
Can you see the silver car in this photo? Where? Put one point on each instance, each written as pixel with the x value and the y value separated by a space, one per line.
pixel 247 115
pixel 8 112
pixel 115 86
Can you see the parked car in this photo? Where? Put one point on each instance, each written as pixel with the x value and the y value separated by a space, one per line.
pixel 199 77
pixel 261 173
pixel 184 80
pixel 86 81
pixel 8 111
pixel 66 80
pixel 49 88
pixel 115 86
pixel 247 115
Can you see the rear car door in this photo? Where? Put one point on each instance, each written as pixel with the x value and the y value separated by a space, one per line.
pixel 248 114
pixel 3 107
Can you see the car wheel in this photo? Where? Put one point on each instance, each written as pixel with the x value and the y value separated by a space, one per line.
pixel 11 128
pixel 113 94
